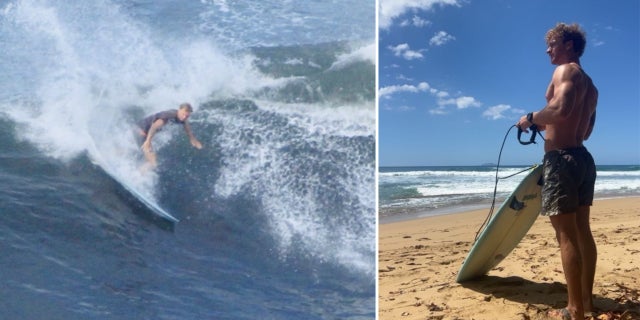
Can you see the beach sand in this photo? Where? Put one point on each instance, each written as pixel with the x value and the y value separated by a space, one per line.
pixel 420 259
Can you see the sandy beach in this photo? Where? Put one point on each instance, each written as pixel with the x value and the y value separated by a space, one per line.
pixel 419 261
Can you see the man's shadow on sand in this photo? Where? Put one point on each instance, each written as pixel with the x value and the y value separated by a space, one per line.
pixel 525 291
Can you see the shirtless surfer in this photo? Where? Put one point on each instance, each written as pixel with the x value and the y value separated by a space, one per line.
pixel 569 169
pixel 149 126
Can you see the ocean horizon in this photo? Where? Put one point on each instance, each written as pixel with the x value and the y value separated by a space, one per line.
pixel 409 192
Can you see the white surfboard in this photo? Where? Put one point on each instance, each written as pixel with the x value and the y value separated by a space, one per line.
pixel 506 228
pixel 149 203
pixel 146 200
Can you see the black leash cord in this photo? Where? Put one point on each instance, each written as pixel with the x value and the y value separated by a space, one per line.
pixel 495 188
pixel 532 139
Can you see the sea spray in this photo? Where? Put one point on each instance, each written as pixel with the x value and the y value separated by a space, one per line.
pixel 304 147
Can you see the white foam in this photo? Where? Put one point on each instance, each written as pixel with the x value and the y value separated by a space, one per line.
pixel 288 197
pixel 101 63
pixel 364 53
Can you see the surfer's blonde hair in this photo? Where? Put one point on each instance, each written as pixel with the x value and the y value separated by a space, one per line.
pixel 566 33
pixel 187 107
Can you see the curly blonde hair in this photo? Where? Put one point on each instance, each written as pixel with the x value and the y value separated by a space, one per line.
pixel 567 32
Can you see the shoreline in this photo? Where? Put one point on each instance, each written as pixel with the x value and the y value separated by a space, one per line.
pixel 471 207
pixel 419 260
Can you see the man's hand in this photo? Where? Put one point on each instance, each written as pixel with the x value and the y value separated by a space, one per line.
pixel 524 124
pixel 195 143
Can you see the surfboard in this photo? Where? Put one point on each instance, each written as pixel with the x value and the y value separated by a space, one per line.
pixel 146 200
pixel 506 228
pixel 149 203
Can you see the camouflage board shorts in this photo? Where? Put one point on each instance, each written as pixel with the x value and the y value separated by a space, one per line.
pixel 569 179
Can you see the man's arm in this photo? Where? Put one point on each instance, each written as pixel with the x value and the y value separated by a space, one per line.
pixel 192 138
pixel 592 123
pixel 562 103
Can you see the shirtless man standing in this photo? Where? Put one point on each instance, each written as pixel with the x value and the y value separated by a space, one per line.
pixel 569 169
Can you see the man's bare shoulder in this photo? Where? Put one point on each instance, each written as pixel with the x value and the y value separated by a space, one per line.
pixel 573 73
pixel 568 71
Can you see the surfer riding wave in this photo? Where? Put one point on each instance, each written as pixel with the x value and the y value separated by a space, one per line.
pixel 149 126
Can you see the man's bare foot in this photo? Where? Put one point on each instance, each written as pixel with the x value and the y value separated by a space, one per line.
pixel 562 314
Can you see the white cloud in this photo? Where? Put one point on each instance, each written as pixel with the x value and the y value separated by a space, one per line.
pixel 443 98
pixel 497 112
pixel 402 108
pixel 416 22
pixel 403 50
pixel 410 55
pixel 460 102
pixel 440 94
pixel 391 9
pixel 390 90
pixel 438 111
pixel 419 22
pixel 599 31
pixel 440 38
pixel 466 102
pixel 423 86
pixel 403 77
pixel 399 48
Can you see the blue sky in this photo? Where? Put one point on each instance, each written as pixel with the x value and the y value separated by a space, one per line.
pixel 455 75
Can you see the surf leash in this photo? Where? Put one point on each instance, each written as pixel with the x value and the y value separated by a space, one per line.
pixel 532 140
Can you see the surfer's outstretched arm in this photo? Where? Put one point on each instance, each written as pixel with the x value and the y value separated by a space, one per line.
pixel 192 138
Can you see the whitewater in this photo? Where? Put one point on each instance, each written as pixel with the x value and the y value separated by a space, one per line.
pixel 277 211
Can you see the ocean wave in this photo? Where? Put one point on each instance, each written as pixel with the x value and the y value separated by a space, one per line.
pixel 430 189
pixel 290 127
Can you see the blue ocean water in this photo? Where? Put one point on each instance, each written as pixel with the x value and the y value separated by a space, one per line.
pixel 409 192
pixel 277 210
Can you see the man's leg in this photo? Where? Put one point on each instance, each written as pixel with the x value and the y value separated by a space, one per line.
pixel 589 256
pixel 566 228
pixel 152 161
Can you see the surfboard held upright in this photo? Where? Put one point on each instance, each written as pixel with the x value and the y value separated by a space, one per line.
pixel 506 228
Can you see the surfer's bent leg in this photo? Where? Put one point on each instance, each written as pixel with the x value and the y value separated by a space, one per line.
pixel 150 156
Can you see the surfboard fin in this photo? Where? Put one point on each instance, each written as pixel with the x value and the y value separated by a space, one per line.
pixel 516 205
